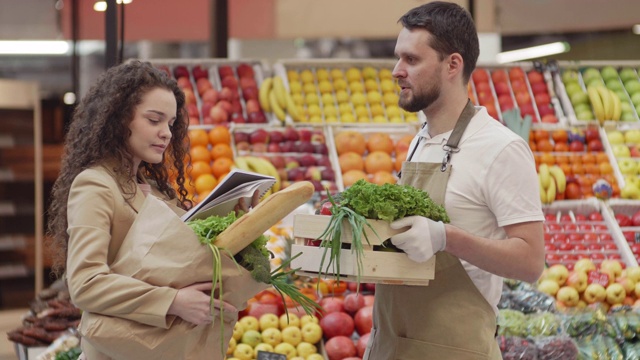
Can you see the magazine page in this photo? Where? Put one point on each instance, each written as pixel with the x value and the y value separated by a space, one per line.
pixel 237 184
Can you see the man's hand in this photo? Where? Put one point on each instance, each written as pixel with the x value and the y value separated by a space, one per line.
pixel 422 240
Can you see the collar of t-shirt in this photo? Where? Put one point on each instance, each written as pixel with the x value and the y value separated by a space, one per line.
pixel 481 112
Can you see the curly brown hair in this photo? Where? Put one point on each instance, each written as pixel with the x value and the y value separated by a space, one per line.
pixel 99 131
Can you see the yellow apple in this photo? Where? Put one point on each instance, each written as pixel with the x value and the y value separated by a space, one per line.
pixel 305 349
pixel 558 272
pixel 613 265
pixel 311 332
pixel 385 74
pixel 232 346
pixel 249 323
pixel 268 321
pixel 251 338
pixel 311 99
pixel 322 74
pixel 336 74
pixel 292 335
pixel 340 85
pixel 353 74
pixel 243 352
pixel 272 336
pixel 286 349
pixel 549 287
pixel 569 296
pixel 584 264
pixel 262 347
pixel 307 319
pixel 633 273
pixel 238 330
pixel 594 293
pixel 315 357
pixel 307 76
pixel 292 320
pixel 615 294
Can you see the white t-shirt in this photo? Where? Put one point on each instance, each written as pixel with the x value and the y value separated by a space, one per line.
pixel 493 183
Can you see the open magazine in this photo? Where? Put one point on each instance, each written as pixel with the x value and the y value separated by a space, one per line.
pixel 221 200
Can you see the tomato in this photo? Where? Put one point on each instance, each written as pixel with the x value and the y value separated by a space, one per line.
pixel 325 209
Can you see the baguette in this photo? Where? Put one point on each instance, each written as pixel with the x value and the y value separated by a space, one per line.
pixel 261 218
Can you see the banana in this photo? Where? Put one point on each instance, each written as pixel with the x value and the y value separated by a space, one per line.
pixel 292 108
pixel 543 193
pixel 607 102
pixel 275 106
pixel 545 176
pixel 596 103
pixel 278 87
pixel 265 167
pixel 617 106
pixel 241 163
pixel 559 177
pixel 263 94
pixel 551 191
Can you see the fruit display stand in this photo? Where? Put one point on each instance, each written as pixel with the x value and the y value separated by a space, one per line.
pixel 219 91
pixel 343 91
pixel 583 229
pixel 522 86
pixel 599 92
pixel 627 215
pixel 623 145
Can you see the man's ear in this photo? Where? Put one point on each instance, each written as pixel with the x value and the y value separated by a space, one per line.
pixel 455 64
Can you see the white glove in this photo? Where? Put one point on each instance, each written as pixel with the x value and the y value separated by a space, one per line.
pixel 422 240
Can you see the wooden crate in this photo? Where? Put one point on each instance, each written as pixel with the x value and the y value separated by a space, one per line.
pixel 377 266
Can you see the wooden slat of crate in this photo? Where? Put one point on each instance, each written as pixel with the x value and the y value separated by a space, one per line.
pixel 312 226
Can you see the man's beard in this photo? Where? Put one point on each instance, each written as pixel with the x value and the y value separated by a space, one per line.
pixel 420 102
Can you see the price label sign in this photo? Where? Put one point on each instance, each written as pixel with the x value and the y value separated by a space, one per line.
pixel 596 277
pixel 266 355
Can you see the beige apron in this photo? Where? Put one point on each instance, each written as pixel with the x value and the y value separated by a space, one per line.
pixel 448 319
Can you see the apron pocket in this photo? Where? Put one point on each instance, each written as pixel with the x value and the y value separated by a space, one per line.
pixel 367 350
pixel 407 349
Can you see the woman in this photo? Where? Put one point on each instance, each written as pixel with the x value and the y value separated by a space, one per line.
pixel 122 134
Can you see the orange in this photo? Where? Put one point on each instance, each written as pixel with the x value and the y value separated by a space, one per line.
pixel 573 192
pixel 350 141
pixel 378 161
pixel 532 146
pixel 351 176
pixel 198 137
pixel 221 150
pixel 221 166
pixel 560 136
pixel 400 158
pixel 577 169
pixel 205 183
pixel 198 168
pixel 601 157
pixel 350 161
pixel 593 169
pixel 383 177
pixel 589 158
pixel 562 159
pixel 605 168
pixel 544 145
pixel 199 153
pixel 566 168
pixel 402 145
pixel 540 134
pixel 547 158
pixel 561 147
pixel 219 135
pixel 575 159
pixel 201 196
pixel 380 142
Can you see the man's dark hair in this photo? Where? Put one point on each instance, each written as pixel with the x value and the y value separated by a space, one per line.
pixel 452 31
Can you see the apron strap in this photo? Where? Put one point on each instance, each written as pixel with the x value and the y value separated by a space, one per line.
pixel 452 143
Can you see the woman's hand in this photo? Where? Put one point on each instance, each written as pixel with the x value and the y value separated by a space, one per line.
pixel 241 206
pixel 193 304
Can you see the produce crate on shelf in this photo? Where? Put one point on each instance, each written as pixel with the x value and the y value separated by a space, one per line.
pixel 623 147
pixel 343 91
pixel 520 85
pixel 377 266
pixel 577 229
pixel 235 84
pixel 353 145
pixel 626 214
pixel 297 153
pixel 574 78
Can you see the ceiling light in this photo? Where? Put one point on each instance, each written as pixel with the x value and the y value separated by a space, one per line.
pixel 533 52
pixel 102 5
pixel 54 47
pixel 636 29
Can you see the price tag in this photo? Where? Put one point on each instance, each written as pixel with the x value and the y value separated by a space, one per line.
pixel 598 278
pixel 265 355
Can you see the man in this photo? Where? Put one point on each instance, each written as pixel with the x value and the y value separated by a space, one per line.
pixel 483 174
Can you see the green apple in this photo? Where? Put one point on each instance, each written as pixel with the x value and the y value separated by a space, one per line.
pixel 628 166
pixel 614 84
pixel 581 108
pixel 615 137
pixel 622 94
pixel 572 88
pixel 569 76
pixel 632 136
pixel 609 73
pixel 633 180
pixel 251 338
pixel 620 151
pixel 591 74
pixel 594 82
pixel 627 74
pixel 628 117
pixel 579 98
pixel 630 191
pixel 635 99
pixel 585 115
pixel 625 106
pixel 632 86
pixel 268 321
pixel 638 109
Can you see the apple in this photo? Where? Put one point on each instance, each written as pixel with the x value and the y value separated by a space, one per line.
pixel 306 147
pixel 291 134
pixel 612 265
pixel 291 162
pixel 313 173
pixel 289 320
pixel 292 335
pixel 285 349
pixel 238 330
pixel 304 349
pixel 623 220
pixel 364 319
pixel 585 265
pixel 252 106
pixel 259 148
pixel 594 293
pixel 296 174
pixel 276 136
pixel 353 302
pixel 559 273
pixel 249 322
pixel 336 324
pixel 245 70
pixel 243 352
pixel 232 346
pixel 274 147
pixel 256 117
pixel 277 161
pixel 316 138
pixel 259 136
pixel 218 114
pixel 251 338
pixel 549 287
pixel 200 73
pixel 320 148
pixel 595 145
pixel 628 166
pixel 568 295
pixel 331 304
pixel 288 146
pixel 258 309
pixel 616 137
pixel 305 319
pixel 632 136
pixel 311 332
pixel 634 151
pixel 267 321
pixel 340 347
pixel 327 174
pixel 361 345
pixel 578 280
pixel 628 284
pixel 576 146
pixel 307 160
pixel 270 337
pixel 615 294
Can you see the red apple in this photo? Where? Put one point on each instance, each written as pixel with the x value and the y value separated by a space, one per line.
pixel 502 88
pixel 595 216
pixel 250 93
pixel 276 136
pixel 353 302
pixel 210 95
pixel 229 82
pixel 218 114
pixel 184 83
pixel 203 84
pixel 542 99
pixel 336 324
pixel 331 304
pixel 595 145
pixel 247 83
pixel 180 71
pixel 259 136
pixel 225 71
pixel 252 106
pixel 623 220
pixel 576 146
pixel 361 346
pixel 539 88
pixel 340 347
pixel 245 70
